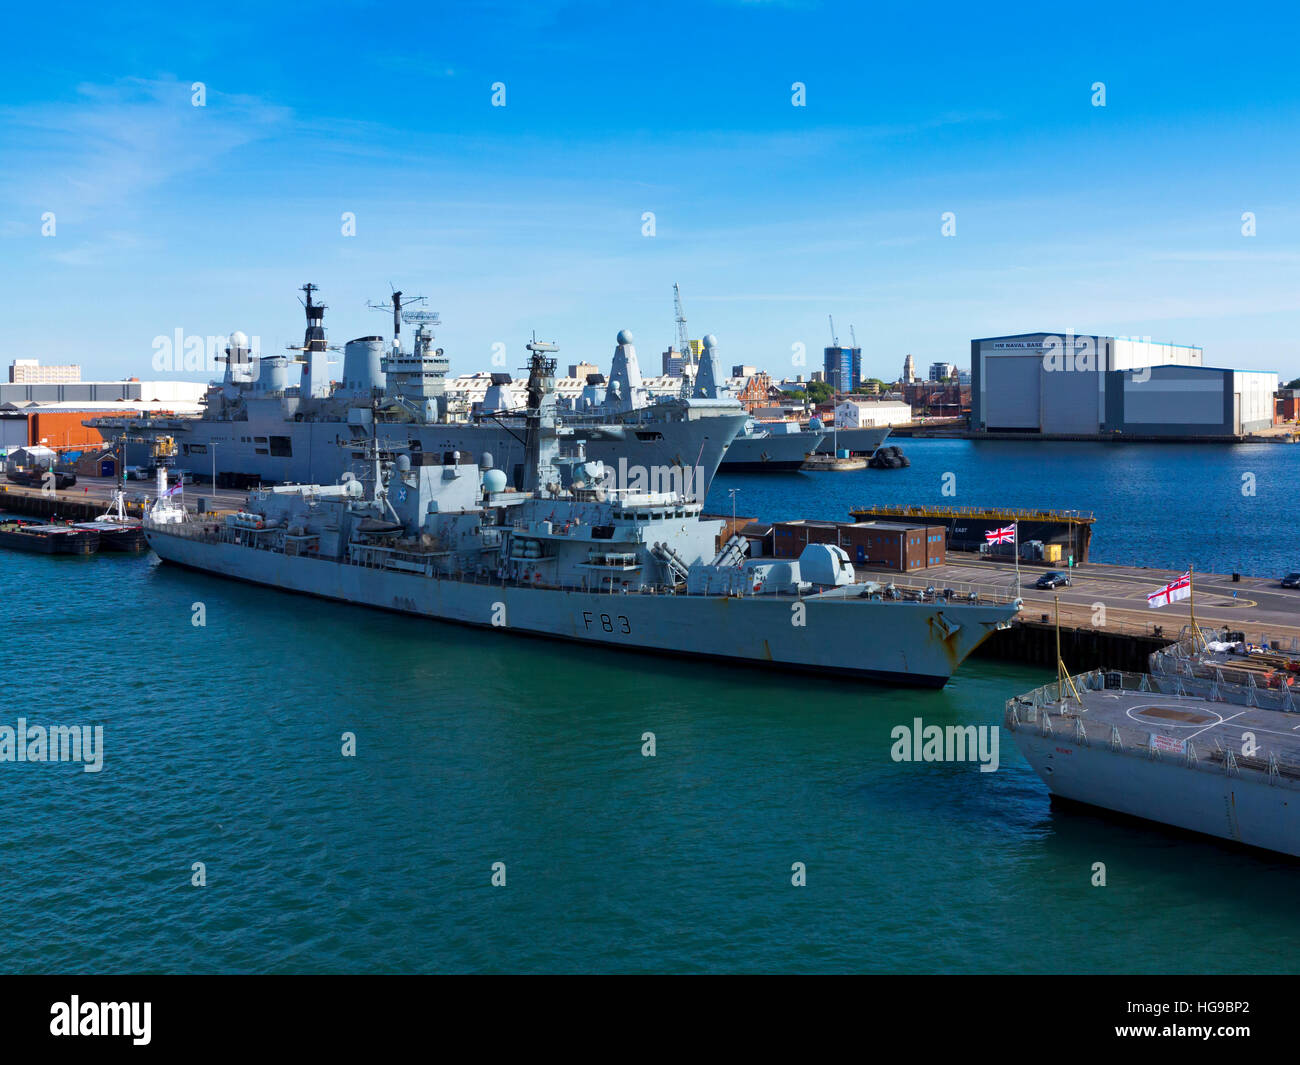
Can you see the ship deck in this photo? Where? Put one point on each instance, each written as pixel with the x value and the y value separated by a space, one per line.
pixel 1188 718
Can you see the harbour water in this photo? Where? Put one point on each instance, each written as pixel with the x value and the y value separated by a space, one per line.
pixel 223 746
pixel 1164 505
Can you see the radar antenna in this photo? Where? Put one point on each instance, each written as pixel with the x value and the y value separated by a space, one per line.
pixel 396 304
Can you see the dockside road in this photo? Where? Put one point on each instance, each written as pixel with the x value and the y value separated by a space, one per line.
pixel 1105 620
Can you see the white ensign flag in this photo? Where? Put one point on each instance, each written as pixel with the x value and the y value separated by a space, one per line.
pixel 1172 592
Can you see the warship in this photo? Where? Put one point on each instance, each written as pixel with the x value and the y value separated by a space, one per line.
pixel 1185 750
pixel 281 420
pixel 570 555
pixel 756 447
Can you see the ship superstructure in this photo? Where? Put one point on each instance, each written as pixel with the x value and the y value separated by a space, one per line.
pixel 278 419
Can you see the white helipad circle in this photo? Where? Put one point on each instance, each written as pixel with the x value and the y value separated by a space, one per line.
pixel 1203 717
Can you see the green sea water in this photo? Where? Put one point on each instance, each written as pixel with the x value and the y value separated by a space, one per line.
pixel 223 746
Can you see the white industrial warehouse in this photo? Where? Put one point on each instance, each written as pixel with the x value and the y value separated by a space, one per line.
pixel 1075 385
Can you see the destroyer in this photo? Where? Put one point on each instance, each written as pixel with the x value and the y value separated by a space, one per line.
pixel 434 536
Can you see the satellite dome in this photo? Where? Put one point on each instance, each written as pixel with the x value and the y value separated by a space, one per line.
pixel 238 339
pixel 494 481
pixel 404 463
pixel 710 341
pixel 625 336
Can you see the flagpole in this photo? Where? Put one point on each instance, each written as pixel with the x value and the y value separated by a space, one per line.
pixel 1062 674
pixel 1191 606
pixel 1015 546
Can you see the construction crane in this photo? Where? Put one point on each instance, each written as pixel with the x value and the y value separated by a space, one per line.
pixel 683 343
pixel 835 341
pixel 853 336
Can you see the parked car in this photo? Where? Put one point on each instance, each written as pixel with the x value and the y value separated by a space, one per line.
pixel 1053 579
pixel 1291 580
pixel 136 473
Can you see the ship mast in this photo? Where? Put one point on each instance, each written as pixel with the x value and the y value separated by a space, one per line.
pixel 395 304
pixel 541 380
pixel 314 338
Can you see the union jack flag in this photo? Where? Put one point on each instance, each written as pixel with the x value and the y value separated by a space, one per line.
pixel 1001 536
pixel 1171 592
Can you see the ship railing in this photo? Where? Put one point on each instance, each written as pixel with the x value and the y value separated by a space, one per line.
pixel 1211 689
pixel 1045 711
pixel 1266 663
pixel 930 590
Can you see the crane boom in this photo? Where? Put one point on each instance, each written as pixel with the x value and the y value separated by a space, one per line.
pixel 683 342
pixel 835 341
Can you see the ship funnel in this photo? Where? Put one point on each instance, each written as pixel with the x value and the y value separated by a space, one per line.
pixel 272 373
pixel 363 366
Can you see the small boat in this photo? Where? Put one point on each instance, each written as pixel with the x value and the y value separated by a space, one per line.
pixel 48 539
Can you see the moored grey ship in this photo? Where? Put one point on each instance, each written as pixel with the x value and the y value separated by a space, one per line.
pixel 568 557
pixel 1186 751
pixel 279 419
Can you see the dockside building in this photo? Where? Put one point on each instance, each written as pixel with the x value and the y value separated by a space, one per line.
pixel 1062 384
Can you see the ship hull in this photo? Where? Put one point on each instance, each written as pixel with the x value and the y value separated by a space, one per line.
pixel 266 450
pixel 897 643
pixel 1243 808
pixel 856 441
pixel 768 454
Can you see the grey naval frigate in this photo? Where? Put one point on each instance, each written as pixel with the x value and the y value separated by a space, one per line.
pixel 573 557
pixel 281 420
pixel 1202 743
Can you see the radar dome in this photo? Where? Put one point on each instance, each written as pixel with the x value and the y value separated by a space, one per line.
pixel 494 481
pixel 238 339
pixel 404 463
pixel 625 336
pixel 710 341
pixel 814 423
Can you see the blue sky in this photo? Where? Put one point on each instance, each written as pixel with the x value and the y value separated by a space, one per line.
pixel 1120 220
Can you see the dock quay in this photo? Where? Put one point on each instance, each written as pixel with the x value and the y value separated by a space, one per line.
pixel 88 500
pixel 1105 620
